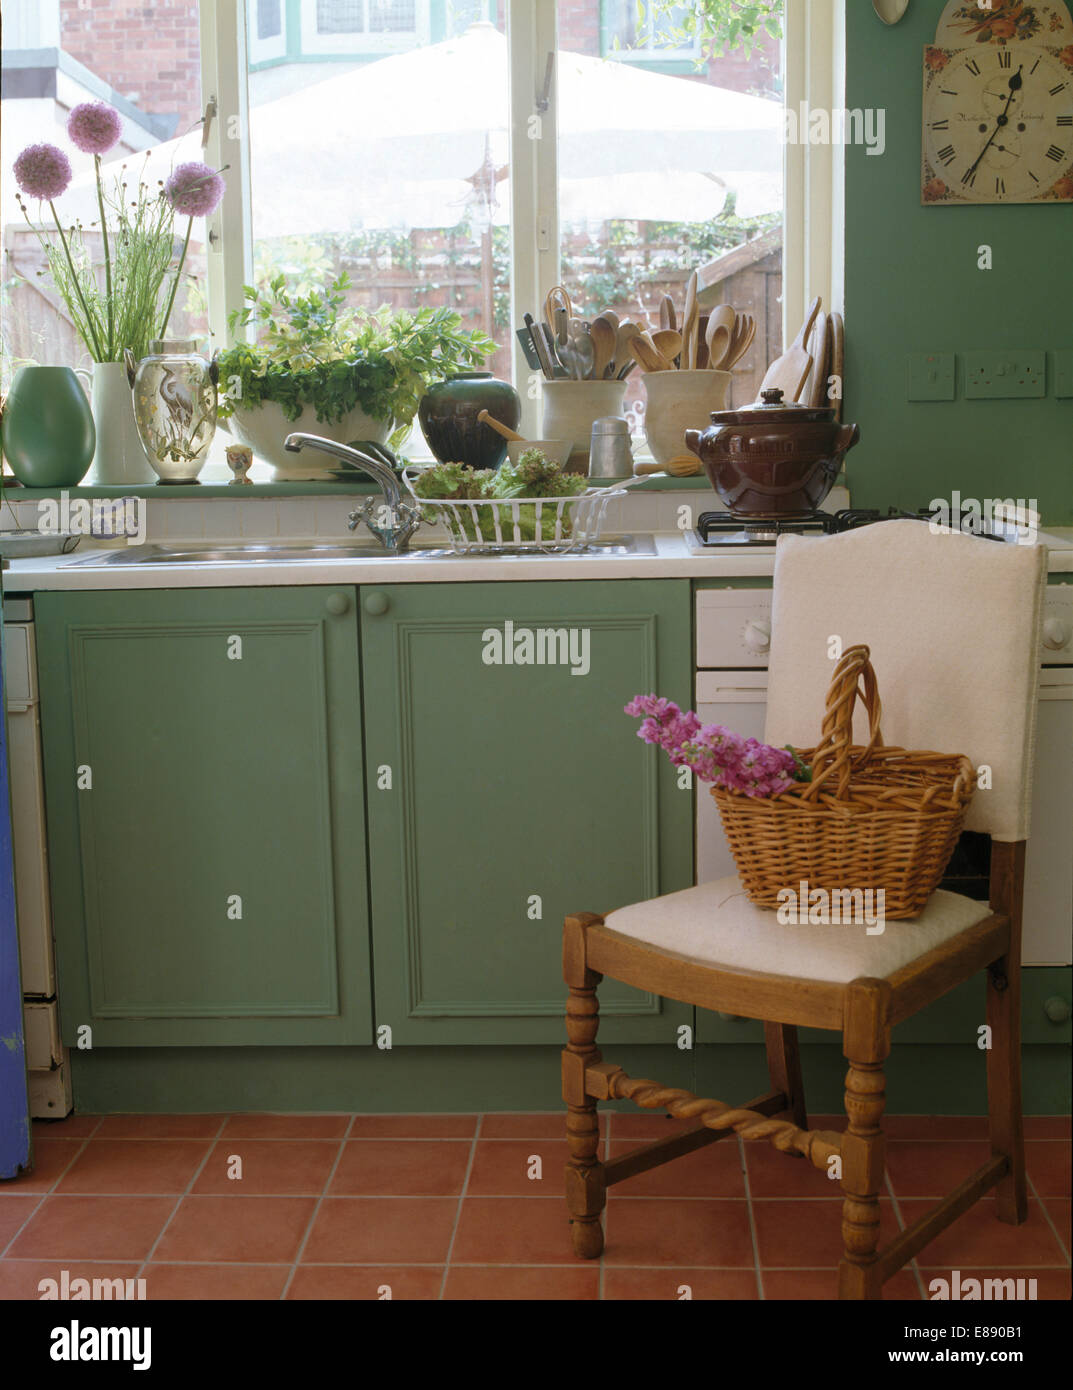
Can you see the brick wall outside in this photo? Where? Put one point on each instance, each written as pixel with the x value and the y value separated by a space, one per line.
pixel 146 52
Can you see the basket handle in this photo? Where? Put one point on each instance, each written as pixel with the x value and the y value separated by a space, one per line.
pixel 832 760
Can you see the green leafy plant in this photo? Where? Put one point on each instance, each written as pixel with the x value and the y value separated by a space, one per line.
pixel 719 26
pixel 533 476
pixel 314 350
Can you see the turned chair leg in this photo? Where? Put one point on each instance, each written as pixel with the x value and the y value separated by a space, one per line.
pixel 1004 1087
pixel 784 1068
pixel 866 1044
pixel 586 1190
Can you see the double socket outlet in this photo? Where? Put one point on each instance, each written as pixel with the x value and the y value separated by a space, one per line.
pixel 988 376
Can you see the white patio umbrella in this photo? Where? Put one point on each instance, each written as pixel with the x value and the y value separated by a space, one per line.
pixel 396 144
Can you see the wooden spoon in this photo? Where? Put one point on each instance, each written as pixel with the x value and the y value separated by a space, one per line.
pixel 689 325
pixel 499 428
pixel 743 341
pixel 649 356
pixel 685 466
pixel 604 339
pixel 667 343
pixel 721 328
pixel 667 317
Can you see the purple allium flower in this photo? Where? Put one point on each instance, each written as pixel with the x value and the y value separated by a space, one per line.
pixel 43 171
pixel 94 127
pixel 195 189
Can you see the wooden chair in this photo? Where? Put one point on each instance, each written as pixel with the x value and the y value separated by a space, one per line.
pixel 952 622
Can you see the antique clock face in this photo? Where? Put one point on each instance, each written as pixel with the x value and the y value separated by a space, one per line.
pixel 998 124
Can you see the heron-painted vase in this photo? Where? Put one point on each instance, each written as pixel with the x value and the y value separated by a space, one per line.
pixel 174 391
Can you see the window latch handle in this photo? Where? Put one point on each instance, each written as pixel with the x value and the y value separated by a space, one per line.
pixel 543 101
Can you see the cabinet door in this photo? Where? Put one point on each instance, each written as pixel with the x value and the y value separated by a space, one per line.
pixel 505 794
pixel 205 815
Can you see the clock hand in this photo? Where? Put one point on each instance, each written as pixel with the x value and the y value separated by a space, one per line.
pixel 1015 85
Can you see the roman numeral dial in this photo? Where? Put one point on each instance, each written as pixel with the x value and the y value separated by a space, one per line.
pixel 998 124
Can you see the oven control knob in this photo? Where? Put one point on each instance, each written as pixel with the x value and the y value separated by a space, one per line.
pixel 757 636
pixel 1056 634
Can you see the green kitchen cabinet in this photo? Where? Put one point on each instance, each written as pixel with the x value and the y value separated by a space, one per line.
pixel 205 804
pixel 505 792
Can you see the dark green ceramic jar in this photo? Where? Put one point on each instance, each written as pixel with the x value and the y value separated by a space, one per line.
pixel 48 430
pixel 448 414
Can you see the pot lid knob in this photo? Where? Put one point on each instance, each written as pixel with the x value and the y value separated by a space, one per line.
pixel 772 396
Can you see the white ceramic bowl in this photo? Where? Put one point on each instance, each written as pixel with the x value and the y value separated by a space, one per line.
pixel 555 450
pixel 264 428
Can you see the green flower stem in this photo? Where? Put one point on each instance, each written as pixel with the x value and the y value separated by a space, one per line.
pixel 90 326
pixel 107 259
pixel 175 282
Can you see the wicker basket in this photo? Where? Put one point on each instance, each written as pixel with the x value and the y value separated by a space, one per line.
pixel 871 818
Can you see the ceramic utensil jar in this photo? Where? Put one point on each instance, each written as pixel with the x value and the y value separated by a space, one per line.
pixel 174 391
pixel 569 409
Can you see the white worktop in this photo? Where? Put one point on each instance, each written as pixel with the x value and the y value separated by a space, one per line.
pixel 674 555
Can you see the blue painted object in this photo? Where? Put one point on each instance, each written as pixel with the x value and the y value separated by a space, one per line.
pixel 14 1101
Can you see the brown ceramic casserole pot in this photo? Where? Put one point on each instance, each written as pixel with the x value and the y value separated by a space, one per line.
pixel 771 458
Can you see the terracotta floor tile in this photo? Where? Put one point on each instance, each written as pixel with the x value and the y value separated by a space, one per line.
pixel 134 1166
pixel 919 1169
pixel 159 1127
pixel 398 1168
pixel 245 1230
pixel 216 1282
pixel 665 1285
pixel 775 1174
pixel 641 1125
pixel 1048 1127
pixel 286 1127
pixel 538 1125
pixel 711 1172
pixel 514 1231
pixel 492 1283
pixel 353 1283
pixel 21 1279
pixel 413 1127
pixel 797 1234
pixel 1048 1164
pixel 14 1212
pixel 501 1168
pixel 93 1228
pixel 52 1157
pixel 1059 1209
pixel 382 1230
pixel 280 1167
pixel 979 1239
pixel 936 1128
pixel 71 1127
pixel 678 1232
pixel 821 1285
pixel 1052 1285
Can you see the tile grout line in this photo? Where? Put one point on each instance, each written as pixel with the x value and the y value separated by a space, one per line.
pixel 314 1213
pixel 1034 1191
pixel 48 1192
pixel 213 1141
pixel 914 1268
pixel 458 1209
pixel 758 1273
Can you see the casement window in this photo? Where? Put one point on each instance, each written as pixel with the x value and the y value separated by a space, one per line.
pixel 475 174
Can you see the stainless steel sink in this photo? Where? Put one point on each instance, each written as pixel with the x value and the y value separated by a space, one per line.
pixel 267 553
pixel 280 552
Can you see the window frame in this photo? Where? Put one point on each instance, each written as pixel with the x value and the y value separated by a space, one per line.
pixel 270 50
pixel 813 241
pixel 665 60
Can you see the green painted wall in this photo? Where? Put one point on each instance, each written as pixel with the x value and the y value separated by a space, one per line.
pixel 912 286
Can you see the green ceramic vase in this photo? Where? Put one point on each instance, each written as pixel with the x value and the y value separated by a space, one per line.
pixel 48 432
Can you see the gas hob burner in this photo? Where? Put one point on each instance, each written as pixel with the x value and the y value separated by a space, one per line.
pixel 720 528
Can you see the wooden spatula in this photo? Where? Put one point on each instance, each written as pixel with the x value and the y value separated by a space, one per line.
pixel 838 360
pixel 790 371
pixel 819 348
pixel 690 317
pixel 720 335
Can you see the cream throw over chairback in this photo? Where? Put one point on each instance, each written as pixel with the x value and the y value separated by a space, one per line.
pixel 952 621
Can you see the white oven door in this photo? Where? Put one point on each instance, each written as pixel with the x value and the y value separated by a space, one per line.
pixel 738 700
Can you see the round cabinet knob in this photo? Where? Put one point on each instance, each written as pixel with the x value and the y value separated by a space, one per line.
pixel 337 604
pixel 756 636
pixel 375 604
pixel 1055 634
pixel 1057 1009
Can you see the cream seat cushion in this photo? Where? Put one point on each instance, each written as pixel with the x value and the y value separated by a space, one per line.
pixel 716 925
